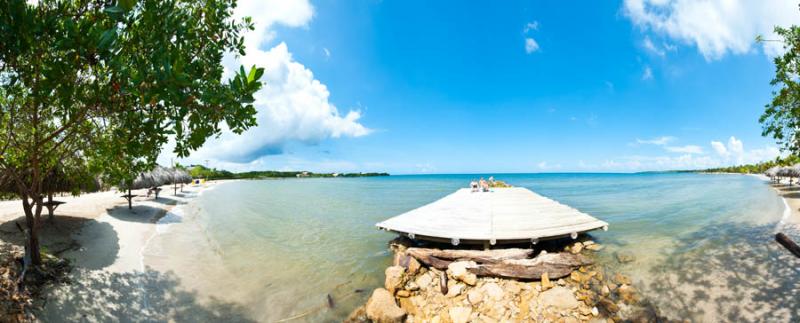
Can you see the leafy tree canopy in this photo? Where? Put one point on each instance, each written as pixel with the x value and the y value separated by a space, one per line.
pixel 781 118
pixel 98 86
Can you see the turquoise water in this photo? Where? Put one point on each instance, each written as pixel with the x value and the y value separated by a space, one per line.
pixel 275 249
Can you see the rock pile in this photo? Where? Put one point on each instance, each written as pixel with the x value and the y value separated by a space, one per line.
pixel 417 291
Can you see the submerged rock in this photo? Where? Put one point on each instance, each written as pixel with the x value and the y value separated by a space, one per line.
pixel 624 257
pixel 381 308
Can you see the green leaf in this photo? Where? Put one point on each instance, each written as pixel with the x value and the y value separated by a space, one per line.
pixel 127 5
pixel 252 75
pixel 115 12
pixel 107 38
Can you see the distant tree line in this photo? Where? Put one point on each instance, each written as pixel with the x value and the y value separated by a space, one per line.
pixel 199 171
pixel 758 168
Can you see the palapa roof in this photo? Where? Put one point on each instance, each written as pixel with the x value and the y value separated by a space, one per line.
pixel 512 214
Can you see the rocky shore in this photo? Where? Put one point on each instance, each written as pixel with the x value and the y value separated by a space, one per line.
pixel 416 291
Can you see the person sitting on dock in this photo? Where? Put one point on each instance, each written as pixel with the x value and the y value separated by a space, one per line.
pixel 473 185
pixel 484 185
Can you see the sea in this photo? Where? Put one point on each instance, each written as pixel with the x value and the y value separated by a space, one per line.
pixel 307 250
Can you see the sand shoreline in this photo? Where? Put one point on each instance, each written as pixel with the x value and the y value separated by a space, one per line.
pixel 103 239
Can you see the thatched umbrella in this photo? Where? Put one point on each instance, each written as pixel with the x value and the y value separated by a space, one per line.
pixel 772 173
pixel 150 180
pixel 179 176
pixel 57 181
pixel 790 172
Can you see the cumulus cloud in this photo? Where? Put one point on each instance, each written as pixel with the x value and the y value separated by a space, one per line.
pixel 734 152
pixel 531 45
pixel 293 106
pixel 715 27
pixel 690 157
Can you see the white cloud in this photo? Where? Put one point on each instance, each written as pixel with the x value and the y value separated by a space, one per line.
pixel 691 157
pixel 534 25
pixel 659 141
pixel 720 148
pixel 293 106
pixel 647 74
pixel 327 52
pixel 734 153
pixel 650 47
pixel 715 27
pixel 531 45
pixel 688 149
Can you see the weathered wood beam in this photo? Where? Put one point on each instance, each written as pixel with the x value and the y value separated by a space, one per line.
pixel 507 263
pixel 556 265
pixel 479 256
pixel 787 243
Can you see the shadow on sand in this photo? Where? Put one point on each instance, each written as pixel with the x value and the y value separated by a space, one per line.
pixel 56 236
pixel 141 213
pixel 148 296
pixel 729 272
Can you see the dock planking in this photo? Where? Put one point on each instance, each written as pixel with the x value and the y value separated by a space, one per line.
pixel 503 215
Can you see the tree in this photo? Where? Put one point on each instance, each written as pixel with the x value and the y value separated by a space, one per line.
pixel 781 118
pixel 101 85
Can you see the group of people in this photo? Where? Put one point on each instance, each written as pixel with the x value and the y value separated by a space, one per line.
pixel 482 185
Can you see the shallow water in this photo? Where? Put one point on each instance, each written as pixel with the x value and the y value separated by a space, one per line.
pixel 275 249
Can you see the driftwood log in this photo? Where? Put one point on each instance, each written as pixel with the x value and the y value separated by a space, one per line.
pixel 556 265
pixel 506 263
pixel 440 259
pixel 787 243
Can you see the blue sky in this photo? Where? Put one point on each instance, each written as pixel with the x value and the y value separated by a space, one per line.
pixel 529 86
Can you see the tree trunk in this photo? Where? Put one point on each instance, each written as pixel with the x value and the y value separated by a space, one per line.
pixel 32 213
pixel 50 206
pixel 130 205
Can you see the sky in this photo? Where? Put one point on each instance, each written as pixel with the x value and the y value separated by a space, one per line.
pixel 416 87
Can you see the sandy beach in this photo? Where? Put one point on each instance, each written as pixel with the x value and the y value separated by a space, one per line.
pixel 104 241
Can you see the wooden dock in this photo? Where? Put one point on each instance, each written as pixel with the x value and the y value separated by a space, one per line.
pixel 504 215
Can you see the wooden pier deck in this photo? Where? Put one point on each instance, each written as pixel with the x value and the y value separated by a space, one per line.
pixel 504 215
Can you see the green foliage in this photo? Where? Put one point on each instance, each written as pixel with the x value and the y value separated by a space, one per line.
pixel 209 173
pixel 759 168
pixel 781 118
pixel 101 88
pixel 199 171
pixel 97 87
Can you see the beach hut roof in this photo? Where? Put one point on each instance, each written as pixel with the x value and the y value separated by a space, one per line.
pixel 159 176
pixel 772 171
pixel 56 180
